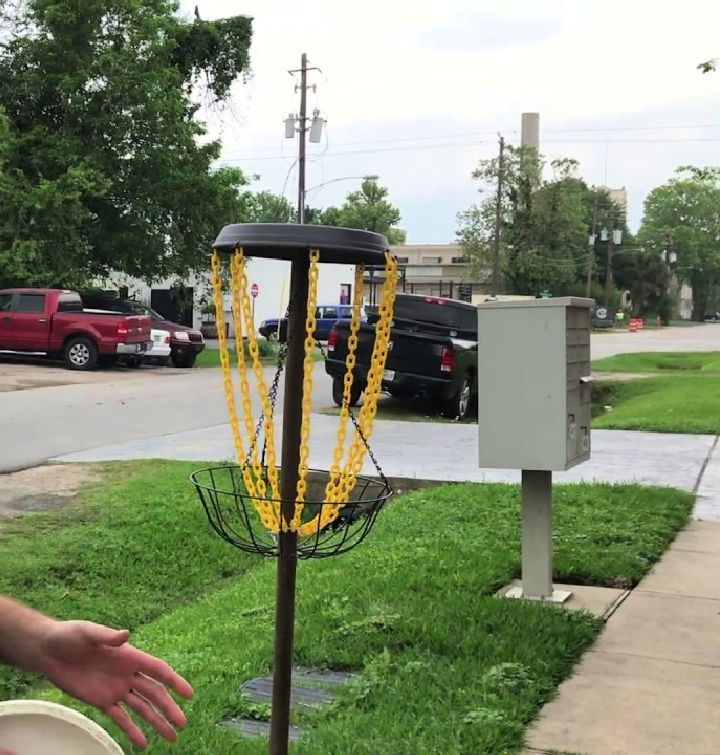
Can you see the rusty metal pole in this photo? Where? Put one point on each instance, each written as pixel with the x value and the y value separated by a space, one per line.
pixel 292 421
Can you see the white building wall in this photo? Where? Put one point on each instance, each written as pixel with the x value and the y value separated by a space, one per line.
pixel 271 276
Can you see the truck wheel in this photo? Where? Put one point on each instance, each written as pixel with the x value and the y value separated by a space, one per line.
pixel 183 361
pixel 80 353
pixel 460 405
pixel 338 387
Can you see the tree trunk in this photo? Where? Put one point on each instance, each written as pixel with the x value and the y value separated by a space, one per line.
pixel 700 299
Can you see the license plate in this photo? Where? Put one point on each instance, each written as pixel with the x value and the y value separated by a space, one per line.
pixel 157 339
pixel 389 375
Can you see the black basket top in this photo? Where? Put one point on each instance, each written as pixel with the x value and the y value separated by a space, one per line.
pixel 291 241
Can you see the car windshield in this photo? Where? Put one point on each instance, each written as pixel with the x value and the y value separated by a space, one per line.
pixel 141 309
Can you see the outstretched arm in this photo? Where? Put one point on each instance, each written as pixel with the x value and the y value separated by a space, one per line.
pixel 97 665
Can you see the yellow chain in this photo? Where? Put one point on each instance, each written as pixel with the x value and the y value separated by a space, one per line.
pixel 308 364
pixel 268 419
pixel 356 452
pixel 224 356
pixel 254 480
pixel 342 481
pixel 333 487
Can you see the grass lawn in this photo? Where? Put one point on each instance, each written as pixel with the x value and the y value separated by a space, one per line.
pixel 443 666
pixel 675 404
pixel 688 362
pixel 268 355
pixel 683 396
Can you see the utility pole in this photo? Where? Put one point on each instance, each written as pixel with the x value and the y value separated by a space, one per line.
pixel 303 130
pixel 591 249
pixel 498 220
pixel 610 252
pixel 302 120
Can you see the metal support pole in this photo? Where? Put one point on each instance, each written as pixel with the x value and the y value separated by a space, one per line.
pixel 537 540
pixel 608 269
pixel 302 133
pixel 287 561
pixel 537 534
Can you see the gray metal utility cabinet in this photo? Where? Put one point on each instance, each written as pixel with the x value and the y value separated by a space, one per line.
pixel 534 410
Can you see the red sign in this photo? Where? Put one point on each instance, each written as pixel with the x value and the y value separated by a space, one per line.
pixel 254 290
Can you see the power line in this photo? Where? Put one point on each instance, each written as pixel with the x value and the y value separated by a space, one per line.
pixel 473 134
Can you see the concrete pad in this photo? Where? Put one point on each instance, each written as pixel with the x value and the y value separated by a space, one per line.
pixel 621 705
pixel 686 572
pixel 699 536
pixel 599 601
pixel 668 627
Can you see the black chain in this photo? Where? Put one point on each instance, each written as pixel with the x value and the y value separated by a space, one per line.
pixel 357 427
pixel 272 395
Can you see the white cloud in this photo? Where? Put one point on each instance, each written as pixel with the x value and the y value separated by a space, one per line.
pixel 401 70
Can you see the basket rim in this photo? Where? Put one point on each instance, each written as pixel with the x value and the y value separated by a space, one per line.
pixel 383 485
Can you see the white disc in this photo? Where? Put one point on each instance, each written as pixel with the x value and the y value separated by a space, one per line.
pixel 35 727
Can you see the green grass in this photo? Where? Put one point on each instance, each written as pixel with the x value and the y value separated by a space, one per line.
pixel 689 362
pixel 673 404
pixel 126 553
pixel 268 355
pixel 443 666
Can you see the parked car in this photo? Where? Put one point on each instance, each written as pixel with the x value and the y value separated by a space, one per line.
pixel 158 353
pixel 185 343
pixel 433 354
pixel 326 316
pixel 53 322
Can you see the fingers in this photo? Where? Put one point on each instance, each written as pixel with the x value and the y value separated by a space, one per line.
pixel 133 731
pixel 163 672
pixel 156 693
pixel 143 708
pixel 102 635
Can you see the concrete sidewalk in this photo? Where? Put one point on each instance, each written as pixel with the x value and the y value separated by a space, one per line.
pixel 651 683
pixel 446 452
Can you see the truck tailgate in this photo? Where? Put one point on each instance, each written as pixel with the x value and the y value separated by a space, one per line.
pixel 410 352
pixel 139 327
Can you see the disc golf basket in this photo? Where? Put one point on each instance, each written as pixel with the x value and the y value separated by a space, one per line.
pixel 289 511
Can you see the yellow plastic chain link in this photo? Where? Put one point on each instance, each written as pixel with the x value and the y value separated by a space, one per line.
pixel 224 356
pixel 356 452
pixel 333 489
pixel 268 419
pixel 308 364
pixel 342 481
pixel 254 479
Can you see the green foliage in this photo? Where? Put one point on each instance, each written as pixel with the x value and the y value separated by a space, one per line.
pixel 443 665
pixel 683 217
pixel 267 207
pixel 369 209
pixel 544 224
pixel 105 166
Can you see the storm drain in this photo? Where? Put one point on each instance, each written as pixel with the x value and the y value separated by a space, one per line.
pixel 311 688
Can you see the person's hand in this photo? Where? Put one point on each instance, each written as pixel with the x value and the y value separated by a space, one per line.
pixel 97 665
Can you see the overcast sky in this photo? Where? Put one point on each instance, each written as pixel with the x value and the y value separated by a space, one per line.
pixel 416 92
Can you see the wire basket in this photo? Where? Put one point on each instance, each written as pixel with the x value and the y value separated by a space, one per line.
pixel 232 514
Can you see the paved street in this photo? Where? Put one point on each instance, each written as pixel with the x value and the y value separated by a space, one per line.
pixel 46 411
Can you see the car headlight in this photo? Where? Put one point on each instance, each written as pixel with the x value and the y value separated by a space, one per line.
pixel 181 335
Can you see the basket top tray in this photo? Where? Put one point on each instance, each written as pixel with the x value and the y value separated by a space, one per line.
pixel 291 241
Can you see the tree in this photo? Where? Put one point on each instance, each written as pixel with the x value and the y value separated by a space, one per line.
pixel 368 209
pixel 266 207
pixel 105 167
pixel 544 224
pixel 683 217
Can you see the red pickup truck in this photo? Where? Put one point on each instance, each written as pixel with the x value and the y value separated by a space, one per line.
pixel 52 321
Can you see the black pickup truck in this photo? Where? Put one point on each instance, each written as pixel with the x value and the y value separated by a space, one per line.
pixel 433 353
